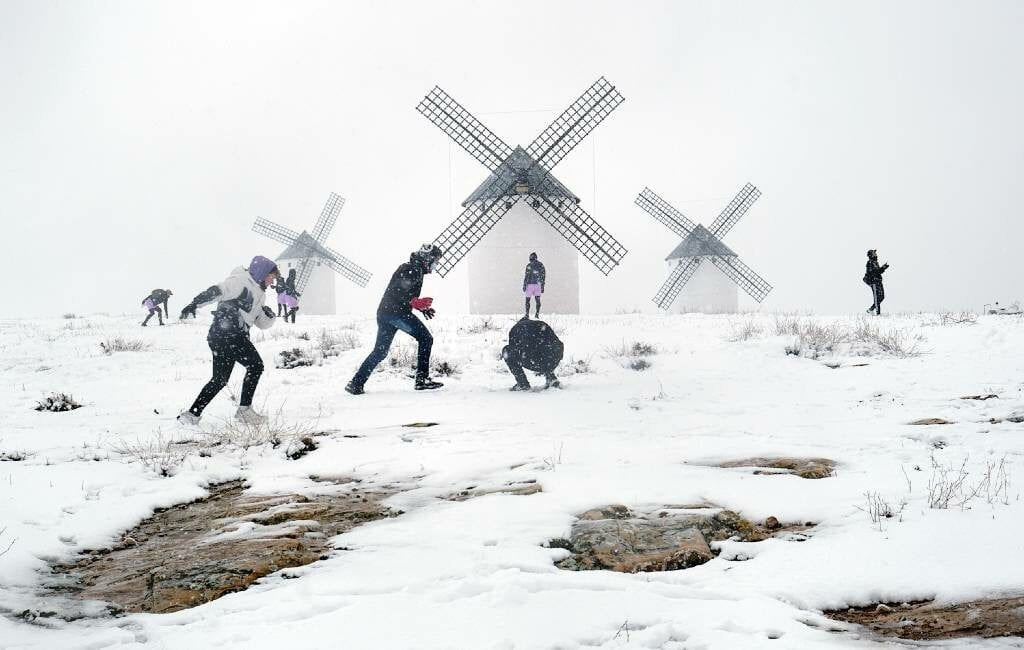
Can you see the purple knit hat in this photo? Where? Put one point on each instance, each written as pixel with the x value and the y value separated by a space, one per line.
pixel 260 267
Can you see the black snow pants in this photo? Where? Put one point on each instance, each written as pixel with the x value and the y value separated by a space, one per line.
pixel 878 295
pixel 159 315
pixel 226 353
pixel 515 366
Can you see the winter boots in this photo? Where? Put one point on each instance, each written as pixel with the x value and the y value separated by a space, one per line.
pixel 246 415
pixel 426 383
pixel 188 417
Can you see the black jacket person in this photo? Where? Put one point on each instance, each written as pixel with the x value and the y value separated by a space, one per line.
pixel 395 313
pixel 533 345
pixel 153 301
pixel 873 278
pixel 534 280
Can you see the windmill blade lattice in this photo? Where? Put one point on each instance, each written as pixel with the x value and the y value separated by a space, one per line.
pixel 569 128
pixel 660 209
pixel 469 228
pixel 755 286
pixel 461 126
pixel 733 212
pixel 586 235
pixel 274 231
pixel 346 267
pixel 328 217
pixel 674 284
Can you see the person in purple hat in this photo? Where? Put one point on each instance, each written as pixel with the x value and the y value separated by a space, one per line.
pixel 239 307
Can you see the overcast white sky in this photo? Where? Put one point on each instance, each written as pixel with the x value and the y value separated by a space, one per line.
pixel 139 140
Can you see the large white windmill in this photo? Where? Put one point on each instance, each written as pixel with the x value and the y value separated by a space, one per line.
pixel 709 288
pixel 543 216
pixel 314 262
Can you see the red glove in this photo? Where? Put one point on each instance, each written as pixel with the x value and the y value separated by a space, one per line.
pixel 421 303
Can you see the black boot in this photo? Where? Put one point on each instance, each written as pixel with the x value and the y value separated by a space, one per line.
pixel 354 389
pixel 426 383
pixel 520 387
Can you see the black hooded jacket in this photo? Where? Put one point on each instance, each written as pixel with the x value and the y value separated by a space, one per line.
pixel 535 274
pixel 536 344
pixel 873 272
pixel 406 284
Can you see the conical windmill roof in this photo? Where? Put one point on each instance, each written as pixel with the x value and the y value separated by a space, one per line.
pixel 303 246
pixel 700 243
pixel 538 178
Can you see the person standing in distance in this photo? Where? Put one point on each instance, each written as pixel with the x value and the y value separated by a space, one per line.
pixel 533 283
pixel 873 278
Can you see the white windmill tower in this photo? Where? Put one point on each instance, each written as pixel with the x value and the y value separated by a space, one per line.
pixel 709 288
pixel 314 262
pixel 543 215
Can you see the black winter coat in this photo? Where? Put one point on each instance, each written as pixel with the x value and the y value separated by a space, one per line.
pixel 406 284
pixel 873 272
pixel 538 347
pixel 535 274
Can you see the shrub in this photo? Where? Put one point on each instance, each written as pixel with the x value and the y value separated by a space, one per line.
pixel 745 331
pixel 294 358
pixel 444 368
pixel 299 447
pixel 160 455
pixel 57 402
pixel 333 343
pixel 70 315
pixel 625 350
pixel 120 344
pixel 639 363
pixel 577 366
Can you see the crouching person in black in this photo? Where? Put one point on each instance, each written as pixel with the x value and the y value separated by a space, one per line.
pixel 239 307
pixel 533 345
pixel 395 313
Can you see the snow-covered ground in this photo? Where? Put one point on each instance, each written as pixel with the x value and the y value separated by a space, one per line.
pixel 475 574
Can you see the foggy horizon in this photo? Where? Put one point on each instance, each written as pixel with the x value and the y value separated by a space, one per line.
pixel 141 140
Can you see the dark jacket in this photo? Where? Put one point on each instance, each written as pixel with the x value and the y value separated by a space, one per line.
pixel 289 286
pixel 159 296
pixel 406 284
pixel 535 274
pixel 536 344
pixel 279 286
pixel 873 272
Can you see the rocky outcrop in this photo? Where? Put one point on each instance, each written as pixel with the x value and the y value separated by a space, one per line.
pixel 810 468
pixel 927 621
pixel 619 539
pixel 196 552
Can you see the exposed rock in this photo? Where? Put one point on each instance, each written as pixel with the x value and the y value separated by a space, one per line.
pixel 811 468
pixel 929 421
pixel 618 539
pixel 981 398
pixel 517 488
pixel 926 621
pixel 771 523
pixel 196 552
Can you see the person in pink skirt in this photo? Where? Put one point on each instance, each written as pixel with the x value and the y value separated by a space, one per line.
pixel 290 297
pixel 533 283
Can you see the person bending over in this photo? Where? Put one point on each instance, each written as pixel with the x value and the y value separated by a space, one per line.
pixel 153 301
pixel 533 345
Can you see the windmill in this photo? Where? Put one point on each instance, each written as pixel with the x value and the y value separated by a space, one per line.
pixel 311 257
pixel 710 291
pixel 520 181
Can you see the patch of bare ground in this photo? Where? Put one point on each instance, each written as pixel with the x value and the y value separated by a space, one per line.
pixel 929 422
pixel 517 488
pixel 811 468
pixel 925 621
pixel 619 539
pixel 196 552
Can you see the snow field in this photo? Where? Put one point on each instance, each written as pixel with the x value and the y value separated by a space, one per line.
pixel 474 574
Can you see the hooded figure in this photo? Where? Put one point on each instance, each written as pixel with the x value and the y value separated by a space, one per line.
pixel 153 301
pixel 533 345
pixel 279 287
pixel 289 297
pixel 394 313
pixel 239 306
pixel 873 278
pixel 533 283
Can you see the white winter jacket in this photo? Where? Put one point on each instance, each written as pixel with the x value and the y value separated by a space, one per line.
pixel 239 306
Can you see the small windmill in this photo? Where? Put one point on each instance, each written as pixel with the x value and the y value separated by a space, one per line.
pixel 522 177
pixel 308 254
pixel 700 244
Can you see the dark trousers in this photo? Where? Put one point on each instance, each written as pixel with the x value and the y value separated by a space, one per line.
pixel 537 314
pixel 878 295
pixel 387 327
pixel 515 366
pixel 159 315
pixel 226 353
